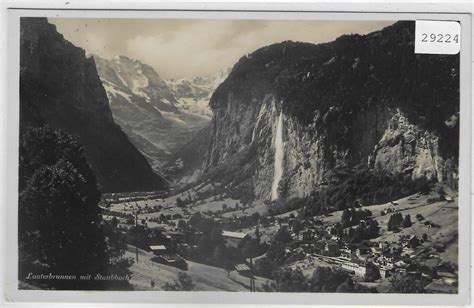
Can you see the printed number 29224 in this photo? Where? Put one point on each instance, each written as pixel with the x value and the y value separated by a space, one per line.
pixel 439 38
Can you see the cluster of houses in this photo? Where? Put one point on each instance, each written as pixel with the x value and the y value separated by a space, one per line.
pixel 399 256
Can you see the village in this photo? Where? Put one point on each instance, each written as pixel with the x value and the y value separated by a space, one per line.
pixel 413 236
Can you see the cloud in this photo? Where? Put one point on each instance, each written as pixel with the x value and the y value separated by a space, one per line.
pixel 185 47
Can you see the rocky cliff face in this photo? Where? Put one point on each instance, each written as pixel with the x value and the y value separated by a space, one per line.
pixel 127 77
pixel 358 100
pixel 59 86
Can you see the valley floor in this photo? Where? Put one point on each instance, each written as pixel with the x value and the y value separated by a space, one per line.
pixel 439 226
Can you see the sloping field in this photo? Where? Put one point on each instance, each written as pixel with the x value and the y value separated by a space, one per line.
pixel 213 205
pixel 257 206
pixel 401 204
pixel 205 278
pixel 442 214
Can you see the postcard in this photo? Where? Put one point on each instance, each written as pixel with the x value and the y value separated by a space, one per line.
pixel 292 156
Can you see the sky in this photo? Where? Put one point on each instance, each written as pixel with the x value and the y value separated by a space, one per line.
pixel 178 48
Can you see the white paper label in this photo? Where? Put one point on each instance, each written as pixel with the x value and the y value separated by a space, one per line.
pixel 437 37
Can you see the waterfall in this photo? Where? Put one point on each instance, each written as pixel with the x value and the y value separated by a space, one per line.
pixel 254 132
pixel 259 116
pixel 278 167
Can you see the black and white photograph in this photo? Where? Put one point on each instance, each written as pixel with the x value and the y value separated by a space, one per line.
pixel 236 155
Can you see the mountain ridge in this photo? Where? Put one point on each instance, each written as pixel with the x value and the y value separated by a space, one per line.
pixel 357 100
pixel 159 116
pixel 59 86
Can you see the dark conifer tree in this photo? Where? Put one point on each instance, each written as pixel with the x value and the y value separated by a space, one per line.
pixel 59 224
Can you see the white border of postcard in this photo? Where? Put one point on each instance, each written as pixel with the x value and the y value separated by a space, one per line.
pixel 239 11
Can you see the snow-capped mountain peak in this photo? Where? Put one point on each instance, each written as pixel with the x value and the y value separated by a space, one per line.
pixel 158 116
pixel 137 79
pixel 193 94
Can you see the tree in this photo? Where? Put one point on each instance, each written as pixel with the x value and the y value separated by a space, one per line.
pixel 216 236
pixel 346 218
pixel 218 256
pixel 264 267
pixel 228 266
pixel 162 218
pixel 414 242
pixel 183 283
pixel 115 239
pixel 195 219
pixel 372 272
pixel 346 287
pixel 255 217
pixel 394 222
pixel 251 248
pixel 441 192
pixel 130 220
pixel 138 236
pixel 182 225
pixel 114 222
pixel 257 233
pixel 288 280
pixel 325 279
pixel 401 283
pixel 406 223
pixel 59 218
pixel 207 226
pixel 276 252
pixel 424 186
pixel 419 217
pixel 338 230
pixel 283 236
pixel 372 229
pixel 179 202
pixel 205 246
pixel 297 226
pixel 264 221
pixel 181 263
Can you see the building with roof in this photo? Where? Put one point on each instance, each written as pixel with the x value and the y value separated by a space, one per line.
pixel 448 199
pixel 413 242
pixel 438 286
pixel 448 278
pixel 363 252
pixel 385 270
pixel 307 235
pixel 234 238
pixel 354 268
pixel 242 267
pixel 331 249
pixel 158 249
